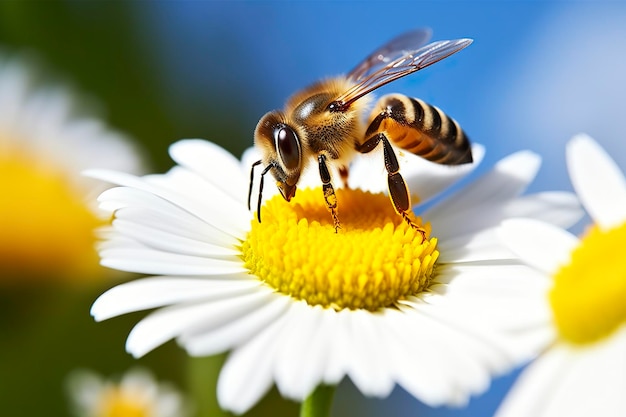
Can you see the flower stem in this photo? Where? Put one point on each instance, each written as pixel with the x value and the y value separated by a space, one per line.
pixel 318 403
pixel 202 374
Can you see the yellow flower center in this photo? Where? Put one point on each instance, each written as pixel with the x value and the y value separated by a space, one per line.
pixel 46 228
pixel 115 402
pixel 373 261
pixel 588 297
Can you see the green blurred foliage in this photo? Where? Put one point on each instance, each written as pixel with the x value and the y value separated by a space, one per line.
pixel 203 388
pixel 94 45
pixel 46 331
pixel 105 49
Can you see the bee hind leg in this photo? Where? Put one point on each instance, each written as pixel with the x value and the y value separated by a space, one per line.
pixel 398 190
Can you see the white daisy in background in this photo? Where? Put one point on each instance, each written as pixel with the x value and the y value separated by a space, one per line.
pixel 583 371
pixel 46 140
pixel 299 305
pixel 135 394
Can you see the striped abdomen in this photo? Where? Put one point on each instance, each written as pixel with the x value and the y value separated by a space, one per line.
pixel 420 128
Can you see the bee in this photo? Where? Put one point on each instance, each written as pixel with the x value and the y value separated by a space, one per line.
pixel 326 122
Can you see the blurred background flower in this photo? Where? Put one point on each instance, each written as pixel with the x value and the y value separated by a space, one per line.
pixel 47 214
pixel 537 73
pixel 136 393
pixel 581 371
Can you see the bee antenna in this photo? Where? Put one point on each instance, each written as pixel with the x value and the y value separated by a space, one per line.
pixel 252 180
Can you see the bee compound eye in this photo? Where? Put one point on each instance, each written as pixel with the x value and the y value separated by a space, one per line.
pixel 288 146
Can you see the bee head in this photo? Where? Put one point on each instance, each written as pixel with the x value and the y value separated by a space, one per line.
pixel 281 150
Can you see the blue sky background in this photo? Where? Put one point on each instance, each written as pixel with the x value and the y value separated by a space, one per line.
pixel 537 73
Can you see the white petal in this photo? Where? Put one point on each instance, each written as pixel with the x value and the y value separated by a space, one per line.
pixel 414 370
pixel 559 208
pixel 318 353
pixel 505 281
pixel 598 379
pixel 466 222
pixel 147 209
pixel 215 203
pixel 367 172
pixel 541 245
pixel 14 86
pixel 612 367
pixel 247 373
pixel 366 367
pixel 300 368
pixel 429 182
pixel 442 370
pixel 167 323
pixel 536 383
pixel 223 215
pixel 475 219
pixel 152 261
pixel 211 341
pixel 172 241
pixel 492 343
pixel 482 291
pixel 85 388
pixel 471 247
pixel 339 347
pixel 481 343
pixel 143 294
pixel 579 380
pixel 597 179
pixel 116 241
pixel 213 163
pixel 574 381
pixel 482 204
pixel 98 147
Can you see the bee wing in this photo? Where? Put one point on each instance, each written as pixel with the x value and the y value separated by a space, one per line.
pixel 390 51
pixel 405 64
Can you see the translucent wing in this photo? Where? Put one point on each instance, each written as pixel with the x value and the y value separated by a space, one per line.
pixel 390 51
pixel 405 64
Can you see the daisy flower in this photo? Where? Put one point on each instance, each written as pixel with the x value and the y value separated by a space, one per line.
pixel 136 394
pixel 583 370
pixel 301 306
pixel 46 221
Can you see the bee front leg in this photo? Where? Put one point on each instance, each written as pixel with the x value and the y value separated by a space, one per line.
pixel 398 190
pixel 329 191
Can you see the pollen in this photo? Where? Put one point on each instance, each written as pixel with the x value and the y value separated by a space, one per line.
pixel 47 228
pixel 374 260
pixel 588 294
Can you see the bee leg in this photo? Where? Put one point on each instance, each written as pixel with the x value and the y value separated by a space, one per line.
pixel 329 191
pixel 398 191
pixel 265 171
